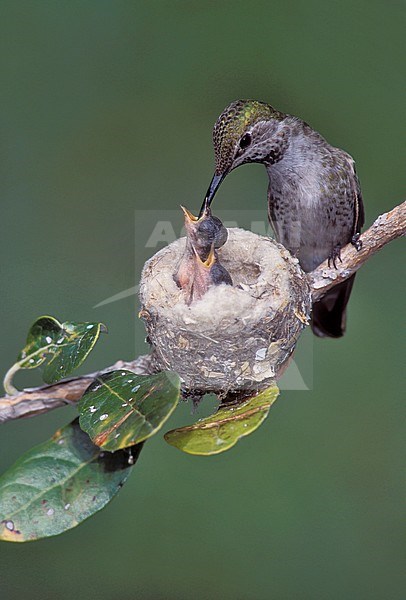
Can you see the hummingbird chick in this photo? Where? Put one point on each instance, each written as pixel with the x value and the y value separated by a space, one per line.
pixel 205 230
pixel 199 267
pixel 206 274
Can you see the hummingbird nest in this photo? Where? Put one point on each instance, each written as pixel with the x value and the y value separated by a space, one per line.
pixel 236 338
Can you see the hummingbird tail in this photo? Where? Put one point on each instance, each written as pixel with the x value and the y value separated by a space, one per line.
pixel 329 313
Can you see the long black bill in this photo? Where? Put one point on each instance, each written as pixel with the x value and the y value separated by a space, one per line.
pixel 213 187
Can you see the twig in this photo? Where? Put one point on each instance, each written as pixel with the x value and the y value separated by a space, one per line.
pixel 32 402
pixel 386 228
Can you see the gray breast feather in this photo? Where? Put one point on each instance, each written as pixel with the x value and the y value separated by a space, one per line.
pixel 314 200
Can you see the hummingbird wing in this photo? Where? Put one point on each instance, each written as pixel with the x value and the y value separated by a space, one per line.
pixel 329 314
pixel 359 212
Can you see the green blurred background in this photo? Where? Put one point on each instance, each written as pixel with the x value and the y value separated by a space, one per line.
pixel 107 107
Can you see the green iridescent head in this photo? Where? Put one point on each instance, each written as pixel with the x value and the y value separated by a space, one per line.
pixel 238 119
pixel 244 132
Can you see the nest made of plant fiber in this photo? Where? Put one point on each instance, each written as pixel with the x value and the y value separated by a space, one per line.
pixel 236 336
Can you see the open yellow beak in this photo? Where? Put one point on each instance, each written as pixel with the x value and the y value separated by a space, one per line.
pixel 189 217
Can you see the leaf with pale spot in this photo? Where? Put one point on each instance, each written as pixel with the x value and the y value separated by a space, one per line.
pixel 120 408
pixel 62 346
pixel 58 484
pixel 221 431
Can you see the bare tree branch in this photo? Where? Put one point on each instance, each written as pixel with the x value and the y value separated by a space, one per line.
pixel 386 228
pixel 32 402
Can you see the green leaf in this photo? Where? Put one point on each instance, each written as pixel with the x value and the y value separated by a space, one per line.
pixel 64 345
pixel 221 431
pixel 58 484
pixel 120 408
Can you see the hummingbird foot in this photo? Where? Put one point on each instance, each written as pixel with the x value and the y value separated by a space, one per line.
pixel 356 242
pixel 334 256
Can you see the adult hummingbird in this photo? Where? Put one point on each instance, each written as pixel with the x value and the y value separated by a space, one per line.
pixel 314 198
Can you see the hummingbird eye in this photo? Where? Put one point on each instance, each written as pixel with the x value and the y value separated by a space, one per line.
pixel 245 140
